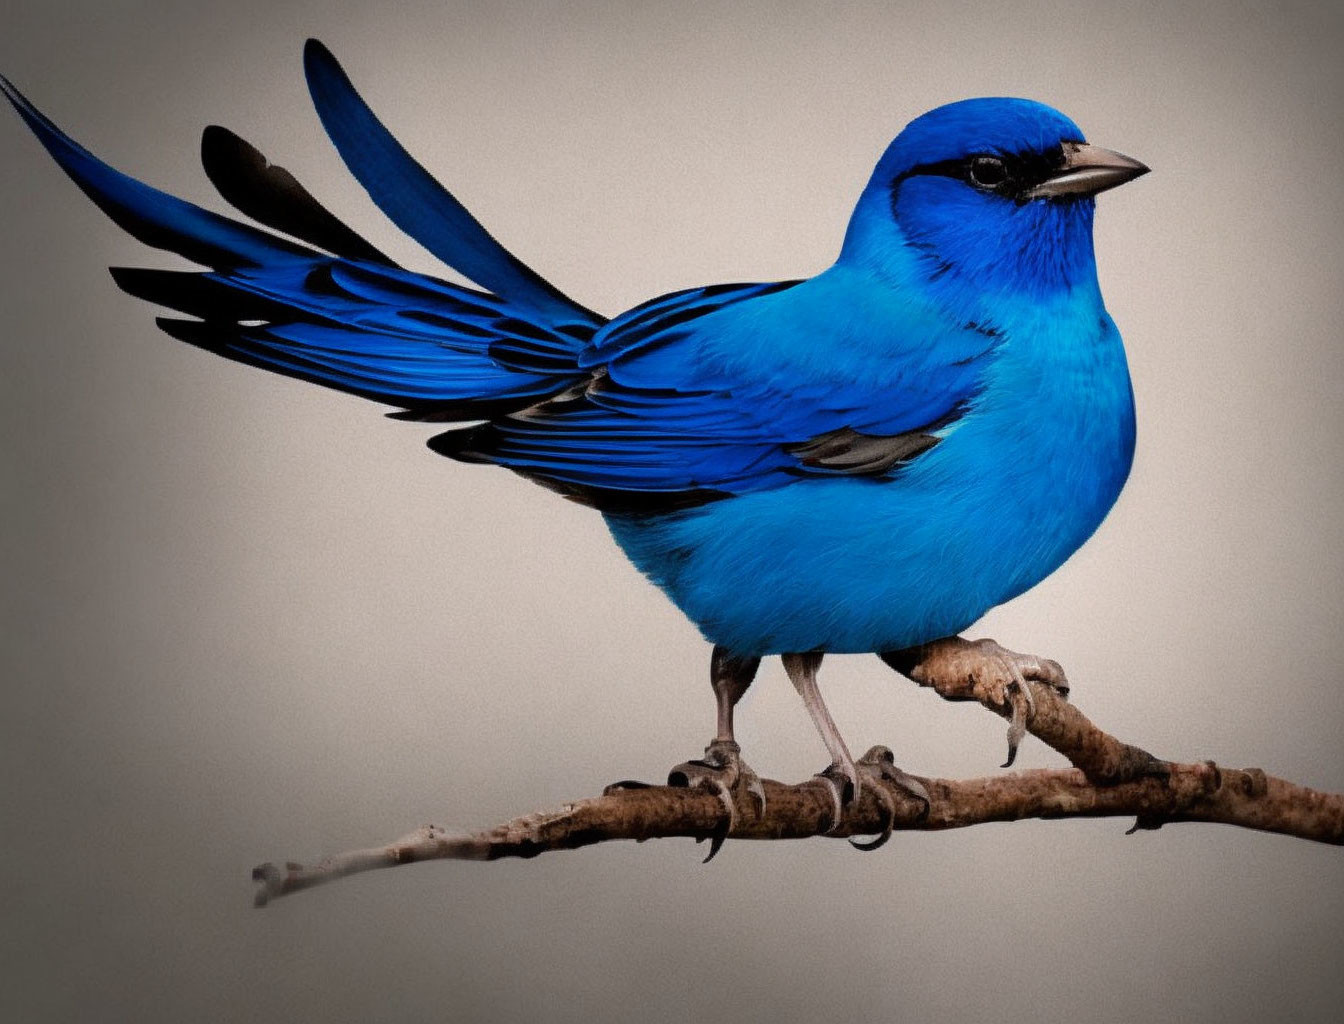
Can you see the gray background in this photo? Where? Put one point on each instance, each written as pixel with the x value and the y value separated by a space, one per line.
pixel 248 619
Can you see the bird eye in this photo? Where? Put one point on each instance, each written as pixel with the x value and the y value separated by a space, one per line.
pixel 987 171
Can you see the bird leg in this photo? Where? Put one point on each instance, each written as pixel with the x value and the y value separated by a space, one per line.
pixel 722 770
pixel 981 670
pixel 840 774
pixel 843 774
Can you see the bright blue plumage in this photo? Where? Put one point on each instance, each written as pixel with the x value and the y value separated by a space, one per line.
pixel 863 461
pixel 716 401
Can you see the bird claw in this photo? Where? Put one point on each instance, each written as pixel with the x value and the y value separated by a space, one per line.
pixel 1021 670
pixel 996 675
pixel 1017 725
pixel 880 764
pixel 756 788
pixel 721 772
pixel 844 782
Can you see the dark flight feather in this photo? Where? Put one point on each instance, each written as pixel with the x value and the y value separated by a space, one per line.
pixel 272 196
pixel 848 452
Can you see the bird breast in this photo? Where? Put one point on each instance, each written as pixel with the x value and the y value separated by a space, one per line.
pixel 853 564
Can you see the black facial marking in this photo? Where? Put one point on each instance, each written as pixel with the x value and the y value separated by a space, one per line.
pixel 1009 175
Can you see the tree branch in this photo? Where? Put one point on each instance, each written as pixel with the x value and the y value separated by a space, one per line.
pixel 1109 778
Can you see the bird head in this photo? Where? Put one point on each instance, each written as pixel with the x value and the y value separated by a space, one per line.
pixel 992 195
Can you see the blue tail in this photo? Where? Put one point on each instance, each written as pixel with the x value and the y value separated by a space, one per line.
pixel 336 311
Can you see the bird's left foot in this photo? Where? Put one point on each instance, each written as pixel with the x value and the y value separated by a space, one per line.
pixel 878 769
pixel 982 670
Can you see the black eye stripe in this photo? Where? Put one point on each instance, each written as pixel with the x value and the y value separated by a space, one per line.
pixel 1020 172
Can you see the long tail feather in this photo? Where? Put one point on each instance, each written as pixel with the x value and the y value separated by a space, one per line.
pixel 367 331
pixel 351 321
pixel 271 195
pixel 154 217
pixel 428 383
pixel 418 204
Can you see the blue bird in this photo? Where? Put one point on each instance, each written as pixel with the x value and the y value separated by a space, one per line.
pixel 864 461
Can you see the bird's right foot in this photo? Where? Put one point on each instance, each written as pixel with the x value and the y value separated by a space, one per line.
pixel 723 772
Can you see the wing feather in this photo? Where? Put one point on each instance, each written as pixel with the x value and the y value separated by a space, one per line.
pixel 679 412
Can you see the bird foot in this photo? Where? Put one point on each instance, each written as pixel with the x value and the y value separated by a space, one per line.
pixel 722 772
pixel 982 670
pixel 842 782
pixel 878 766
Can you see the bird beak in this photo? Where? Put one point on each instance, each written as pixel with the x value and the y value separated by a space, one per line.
pixel 1086 171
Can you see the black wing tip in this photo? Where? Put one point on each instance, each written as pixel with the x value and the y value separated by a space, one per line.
pixel 432 412
pixel 157 286
pixel 42 126
pixel 459 444
pixel 222 151
pixel 271 195
pixel 19 101
pixel 36 121
pixel 125 277
pixel 324 75
pixel 193 332
pixel 198 295
pixel 318 58
pixel 216 138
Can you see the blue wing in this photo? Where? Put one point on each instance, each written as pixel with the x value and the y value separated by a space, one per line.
pixel 696 395
pixel 732 389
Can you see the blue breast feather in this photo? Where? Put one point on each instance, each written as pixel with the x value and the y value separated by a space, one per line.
pixel 1020 481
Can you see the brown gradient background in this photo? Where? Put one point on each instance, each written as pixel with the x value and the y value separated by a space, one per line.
pixel 248 619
